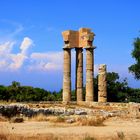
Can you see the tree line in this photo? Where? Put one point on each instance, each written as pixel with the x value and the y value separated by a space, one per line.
pixel 117 91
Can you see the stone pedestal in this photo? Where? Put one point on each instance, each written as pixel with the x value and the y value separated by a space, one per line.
pixel 102 84
pixel 67 76
pixel 79 74
pixel 89 75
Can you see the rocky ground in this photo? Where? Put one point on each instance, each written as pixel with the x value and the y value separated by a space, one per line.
pixel 71 122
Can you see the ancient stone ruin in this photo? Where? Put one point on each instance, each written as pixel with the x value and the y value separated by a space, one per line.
pixel 102 86
pixel 79 40
pixel 82 39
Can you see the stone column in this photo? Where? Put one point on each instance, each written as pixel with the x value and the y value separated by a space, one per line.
pixel 67 76
pixel 89 75
pixel 102 85
pixel 79 74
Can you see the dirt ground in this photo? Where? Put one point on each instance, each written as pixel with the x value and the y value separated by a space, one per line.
pixel 114 128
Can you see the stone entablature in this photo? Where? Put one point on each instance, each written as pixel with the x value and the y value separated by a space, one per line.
pixel 78 39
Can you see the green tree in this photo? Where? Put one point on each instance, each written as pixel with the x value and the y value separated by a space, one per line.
pixel 116 89
pixel 135 68
pixel 14 90
pixel 4 93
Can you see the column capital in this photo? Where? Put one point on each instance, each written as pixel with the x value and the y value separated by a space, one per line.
pixel 90 47
pixel 64 48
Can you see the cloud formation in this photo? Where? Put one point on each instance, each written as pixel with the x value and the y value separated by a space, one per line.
pixel 46 61
pixel 11 61
pixel 26 43
pixel 35 61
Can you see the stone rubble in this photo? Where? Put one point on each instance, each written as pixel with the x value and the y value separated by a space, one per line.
pixel 12 110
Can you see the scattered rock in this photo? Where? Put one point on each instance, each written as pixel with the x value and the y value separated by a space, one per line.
pixel 17 120
pixel 80 112
pixel 70 120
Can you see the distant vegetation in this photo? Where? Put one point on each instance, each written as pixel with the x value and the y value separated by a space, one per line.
pixel 118 91
pixel 16 92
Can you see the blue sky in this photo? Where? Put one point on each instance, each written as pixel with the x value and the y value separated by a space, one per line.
pixel 31 41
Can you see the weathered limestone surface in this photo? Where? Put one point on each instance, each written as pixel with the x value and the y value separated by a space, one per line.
pixel 71 38
pixel 102 85
pixel 79 74
pixel 89 75
pixel 86 38
pixel 134 110
pixel 78 39
pixel 67 76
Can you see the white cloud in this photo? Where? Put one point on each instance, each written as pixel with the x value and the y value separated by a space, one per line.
pixel 36 61
pixel 26 43
pixel 48 56
pixel 6 48
pixel 53 66
pixel 17 61
pixel 46 61
pixel 11 61
pixel 39 56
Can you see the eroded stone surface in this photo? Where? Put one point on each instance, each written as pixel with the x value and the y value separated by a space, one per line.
pixel 67 76
pixel 78 39
pixel 89 75
pixel 79 74
pixel 102 84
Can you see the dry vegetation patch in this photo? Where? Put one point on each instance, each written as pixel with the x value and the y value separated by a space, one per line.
pixel 90 121
pixel 56 119
pixel 39 117
pixel 3 119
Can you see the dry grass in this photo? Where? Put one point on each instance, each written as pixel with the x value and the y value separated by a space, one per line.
pixel 121 135
pixel 80 120
pixel 20 137
pixel 3 119
pixel 89 138
pixel 57 119
pixel 38 117
pixel 90 121
pixel 6 135
pixel 41 117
